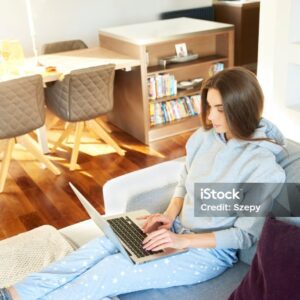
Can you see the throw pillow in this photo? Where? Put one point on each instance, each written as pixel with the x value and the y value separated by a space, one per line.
pixel 275 270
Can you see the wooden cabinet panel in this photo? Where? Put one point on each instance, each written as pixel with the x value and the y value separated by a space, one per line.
pixel 245 17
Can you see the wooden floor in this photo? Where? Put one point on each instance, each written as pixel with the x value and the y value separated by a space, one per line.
pixel 34 196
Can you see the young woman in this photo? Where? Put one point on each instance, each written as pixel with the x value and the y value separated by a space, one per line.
pixel 235 144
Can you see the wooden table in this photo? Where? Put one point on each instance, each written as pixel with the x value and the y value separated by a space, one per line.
pixel 65 62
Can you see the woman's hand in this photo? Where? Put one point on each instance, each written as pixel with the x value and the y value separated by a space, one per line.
pixel 155 221
pixel 163 238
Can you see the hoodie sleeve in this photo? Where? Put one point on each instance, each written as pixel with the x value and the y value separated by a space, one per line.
pixel 192 146
pixel 242 235
pixel 180 189
pixel 246 230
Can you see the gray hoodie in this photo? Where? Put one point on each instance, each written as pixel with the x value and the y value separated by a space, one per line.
pixel 209 158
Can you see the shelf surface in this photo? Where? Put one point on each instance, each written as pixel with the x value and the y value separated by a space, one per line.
pixel 180 94
pixel 201 60
pixel 163 30
pixel 171 123
pixel 161 131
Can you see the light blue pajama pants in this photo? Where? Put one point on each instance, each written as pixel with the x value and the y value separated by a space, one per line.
pixel 98 270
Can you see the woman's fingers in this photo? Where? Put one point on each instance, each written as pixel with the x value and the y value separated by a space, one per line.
pixel 154 222
pixel 143 217
pixel 163 238
pixel 146 216
pixel 162 246
pixel 157 219
pixel 149 223
pixel 147 219
pixel 161 218
pixel 154 234
pixel 153 244
pixel 165 226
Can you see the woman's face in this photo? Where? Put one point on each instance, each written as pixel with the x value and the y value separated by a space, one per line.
pixel 216 113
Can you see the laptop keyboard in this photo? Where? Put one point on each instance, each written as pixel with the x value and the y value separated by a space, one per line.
pixel 131 235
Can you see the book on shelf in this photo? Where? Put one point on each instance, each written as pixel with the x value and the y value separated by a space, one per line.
pixel 159 114
pixel 196 103
pixel 190 107
pixel 188 113
pixel 151 88
pixel 175 109
pixel 167 111
pixel 181 108
pixel 161 85
pixel 170 111
pixel 152 113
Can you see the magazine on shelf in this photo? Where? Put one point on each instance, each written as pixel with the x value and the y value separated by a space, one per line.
pixel 161 85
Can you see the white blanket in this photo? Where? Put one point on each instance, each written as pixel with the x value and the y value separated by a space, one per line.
pixel 30 252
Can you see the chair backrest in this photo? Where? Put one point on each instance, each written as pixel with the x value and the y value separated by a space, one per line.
pixel 83 94
pixel 21 106
pixel 290 162
pixel 63 46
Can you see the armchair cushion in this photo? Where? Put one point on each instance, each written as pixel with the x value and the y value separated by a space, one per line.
pixel 150 188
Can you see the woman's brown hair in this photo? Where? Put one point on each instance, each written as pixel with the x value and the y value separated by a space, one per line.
pixel 242 98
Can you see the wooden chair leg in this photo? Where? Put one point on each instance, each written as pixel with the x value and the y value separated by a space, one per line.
pixel 93 125
pixel 5 162
pixel 32 146
pixel 53 122
pixel 68 137
pixel 64 135
pixel 103 125
pixel 3 144
pixel 78 133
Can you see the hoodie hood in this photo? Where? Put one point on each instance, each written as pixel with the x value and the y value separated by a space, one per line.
pixel 265 129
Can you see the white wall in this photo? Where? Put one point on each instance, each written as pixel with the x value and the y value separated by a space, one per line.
pixel 279 63
pixel 56 20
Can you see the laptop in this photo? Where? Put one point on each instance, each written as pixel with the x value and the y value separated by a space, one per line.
pixel 125 232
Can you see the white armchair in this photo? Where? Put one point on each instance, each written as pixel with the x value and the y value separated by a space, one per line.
pixel 150 188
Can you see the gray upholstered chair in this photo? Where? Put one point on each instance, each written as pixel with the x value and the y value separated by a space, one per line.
pixel 78 99
pixel 63 46
pixel 21 111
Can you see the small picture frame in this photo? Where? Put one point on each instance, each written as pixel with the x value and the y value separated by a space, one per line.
pixel 181 50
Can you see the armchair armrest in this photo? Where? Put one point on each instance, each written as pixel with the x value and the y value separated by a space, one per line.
pixel 150 188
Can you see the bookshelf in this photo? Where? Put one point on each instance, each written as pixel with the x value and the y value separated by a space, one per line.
pixel 180 94
pixel 149 42
pixel 198 62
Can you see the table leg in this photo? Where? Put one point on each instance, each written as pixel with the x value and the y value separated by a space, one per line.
pixel 42 138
